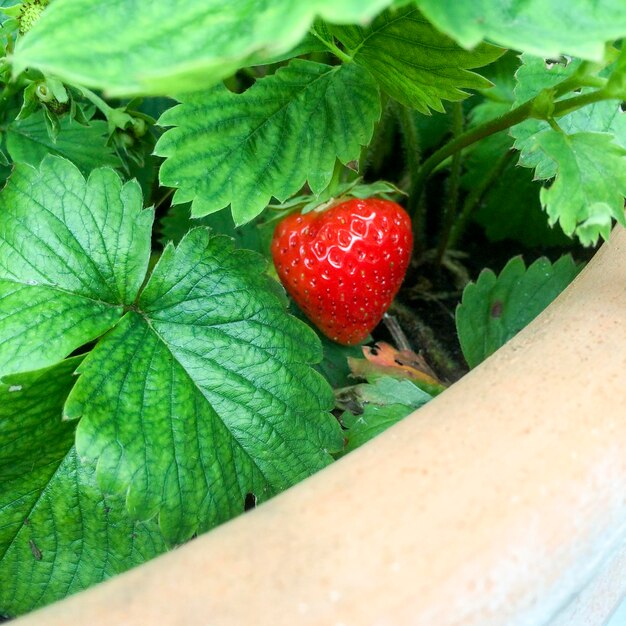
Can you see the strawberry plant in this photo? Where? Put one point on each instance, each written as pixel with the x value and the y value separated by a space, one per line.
pixel 233 237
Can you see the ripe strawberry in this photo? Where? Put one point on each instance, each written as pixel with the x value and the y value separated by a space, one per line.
pixel 344 266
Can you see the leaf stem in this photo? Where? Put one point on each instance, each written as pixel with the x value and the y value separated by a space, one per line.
pixel 475 196
pixel 517 115
pixel 410 138
pixel 333 47
pixel 94 99
pixel 453 185
pixel 372 153
pixel 410 141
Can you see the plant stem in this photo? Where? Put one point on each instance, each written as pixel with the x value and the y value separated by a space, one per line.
pixel 335 49
pixel 410 141
pixel 168 194
pixel 423 336
pixel 475 195
pixel 517 115
pixel 453 186
pixel 410 138
pixel 395 330
pixel 95 99
pixel 371 156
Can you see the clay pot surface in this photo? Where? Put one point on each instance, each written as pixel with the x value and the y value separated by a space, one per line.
pixel 500 502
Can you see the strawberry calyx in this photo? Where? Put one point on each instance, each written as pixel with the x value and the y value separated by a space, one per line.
pixel 334 195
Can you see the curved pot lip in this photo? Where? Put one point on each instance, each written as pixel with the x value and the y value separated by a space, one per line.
pixel 495 503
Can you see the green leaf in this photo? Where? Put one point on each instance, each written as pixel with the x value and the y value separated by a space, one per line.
pixel 72 254
pixel 372 422
pixel 590 185
pixel 202 392
pixel 502 74
pixel 309 44
pixel 536 74
pixel 389 390
pixel 374 406
pixel 129 47
pixel 382 392
pixel 286 130
pixel 178 222
pixel 219 399
pixel 413 62
pixel 494 309
pixel 542 27
pixel 86 146
pixel 431 129
pixel 603 117
pixel 58 534
pixel 334 364
pixel 511 210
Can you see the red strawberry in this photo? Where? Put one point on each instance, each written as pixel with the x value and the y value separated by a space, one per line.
pixel 344 266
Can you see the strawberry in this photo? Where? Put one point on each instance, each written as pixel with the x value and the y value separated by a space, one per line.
pixel 343 266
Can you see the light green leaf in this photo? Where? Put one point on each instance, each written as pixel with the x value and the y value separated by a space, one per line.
pixel 389 390
pixel 372 422
pixel 219 399
pixel 130 47
pixel 588 191
pixel 287 129
pixel 382 391
pixel 413 62
pixel 58 534
pixel 72 254
pixel 86 146
pixel 542 27
pixel 494 309
pixel 603 117
pixel 536 74
pixel 374 406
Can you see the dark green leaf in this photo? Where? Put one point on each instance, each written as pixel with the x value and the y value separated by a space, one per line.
pixel 178 222
pixel 413 62
pixel 286 130
pixel 72 254
pixel 494 309
pixel 219 399
pixel 334 364
pixel 511 210
pixel 86 146
pixel 58 534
